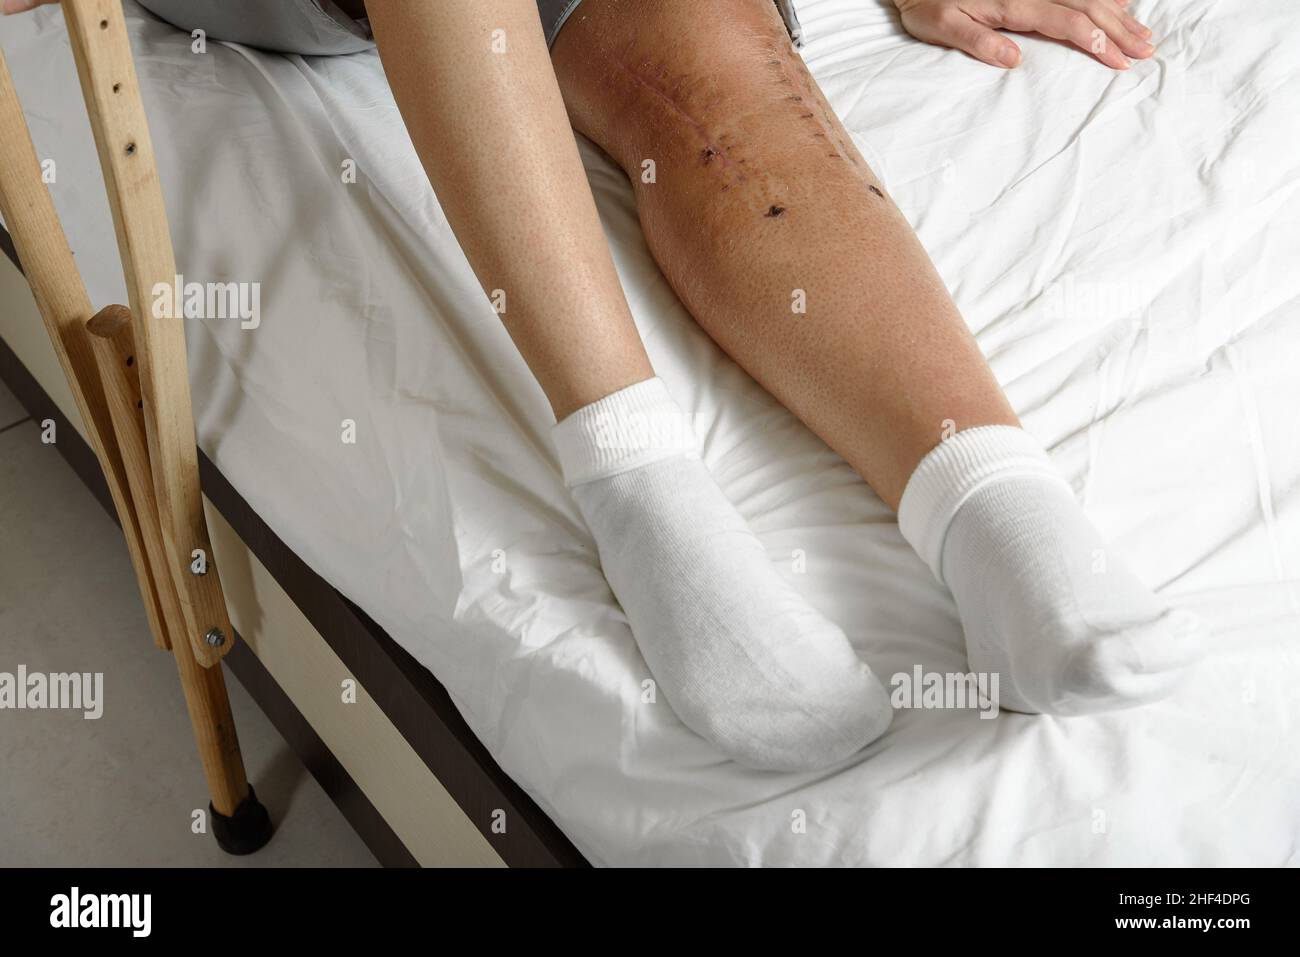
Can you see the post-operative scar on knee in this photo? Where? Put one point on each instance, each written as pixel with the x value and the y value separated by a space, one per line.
pixel 714 148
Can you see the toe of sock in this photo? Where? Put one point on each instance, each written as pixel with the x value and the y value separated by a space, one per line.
pixel 812 729
pixel 1131 666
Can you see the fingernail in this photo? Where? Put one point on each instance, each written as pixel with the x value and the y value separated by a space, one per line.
pixel 1009 56
pixel 1124 64
pixel 1146 49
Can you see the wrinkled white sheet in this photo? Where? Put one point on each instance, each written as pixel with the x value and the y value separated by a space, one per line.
pixel 1124 245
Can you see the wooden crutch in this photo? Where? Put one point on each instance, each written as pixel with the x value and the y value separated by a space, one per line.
pixel 131 384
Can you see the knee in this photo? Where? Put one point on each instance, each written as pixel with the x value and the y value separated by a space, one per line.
pixel 727 63
pixel 728 115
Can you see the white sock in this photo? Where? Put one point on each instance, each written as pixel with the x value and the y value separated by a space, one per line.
pixel 741 657
pixel 1044 603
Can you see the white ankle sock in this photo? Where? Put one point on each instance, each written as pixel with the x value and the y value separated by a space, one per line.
pixel 739 655
pixel 1043 602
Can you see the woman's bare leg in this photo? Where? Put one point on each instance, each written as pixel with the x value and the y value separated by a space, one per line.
pixel 489 124
pixel 740 656
pixel 760 198
pixel 760 204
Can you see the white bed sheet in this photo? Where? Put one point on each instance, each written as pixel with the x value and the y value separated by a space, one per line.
pixel 1124 246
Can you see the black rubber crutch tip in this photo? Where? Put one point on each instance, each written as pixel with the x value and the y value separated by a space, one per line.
pixel 245 831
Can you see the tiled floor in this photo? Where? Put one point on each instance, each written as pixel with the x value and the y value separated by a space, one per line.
pixel 121 790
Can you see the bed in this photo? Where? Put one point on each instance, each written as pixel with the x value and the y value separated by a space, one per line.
pixel 1123 246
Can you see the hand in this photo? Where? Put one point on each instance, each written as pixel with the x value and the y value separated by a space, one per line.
pixel 22 6
pixel 1103 28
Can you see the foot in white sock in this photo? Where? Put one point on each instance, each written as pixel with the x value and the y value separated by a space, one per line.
pixel 1068 627
pixel 744 661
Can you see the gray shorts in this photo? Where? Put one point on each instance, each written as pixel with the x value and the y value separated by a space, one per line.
pixel 320 28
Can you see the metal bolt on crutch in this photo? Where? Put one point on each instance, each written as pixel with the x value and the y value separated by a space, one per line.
pixel 128 374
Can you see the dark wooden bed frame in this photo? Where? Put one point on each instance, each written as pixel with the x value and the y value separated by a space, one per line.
pixel 409 695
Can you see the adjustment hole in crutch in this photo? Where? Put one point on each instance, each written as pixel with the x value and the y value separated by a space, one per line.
pixel 103 24
pixel 117 87
pixel 130 149
pixel 130 360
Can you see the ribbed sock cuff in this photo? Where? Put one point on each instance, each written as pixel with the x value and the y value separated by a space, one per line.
pixel 954 471
pixel 625 430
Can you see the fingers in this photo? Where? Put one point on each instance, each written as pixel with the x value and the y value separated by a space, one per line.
pixel 950 27
pixel 1061 23
pixel 1103 28
pixel 1120 28
pixel 1134 25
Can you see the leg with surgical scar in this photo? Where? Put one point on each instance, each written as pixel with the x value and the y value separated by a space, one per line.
pixel 760 201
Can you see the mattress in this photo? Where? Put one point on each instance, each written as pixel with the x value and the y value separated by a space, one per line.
pixel 1124 246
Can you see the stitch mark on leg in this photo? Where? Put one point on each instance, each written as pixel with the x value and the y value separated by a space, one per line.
pixel 713 149
pixel 776 212
pixel 875 190
pixel 816 110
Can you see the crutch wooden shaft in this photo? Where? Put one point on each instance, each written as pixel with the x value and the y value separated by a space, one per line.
pixel 205 690
pixel 64 307
pixel 102 51
pixel 208 704
pixel 114 351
